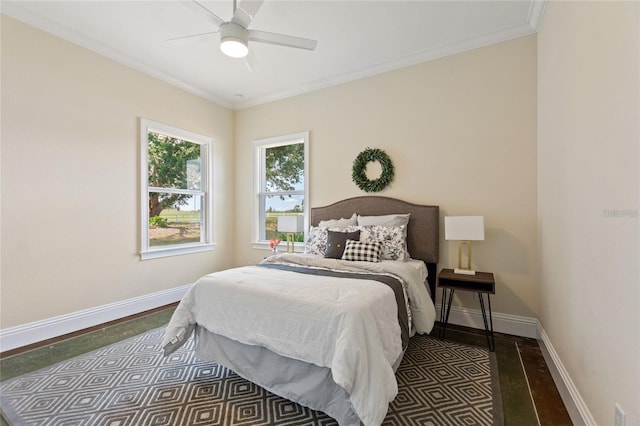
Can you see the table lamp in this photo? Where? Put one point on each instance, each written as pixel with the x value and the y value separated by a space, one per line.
pixel 464 229
pixel 290 225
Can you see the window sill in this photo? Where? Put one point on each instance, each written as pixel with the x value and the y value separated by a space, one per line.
pixel 282 247
pixel 175 251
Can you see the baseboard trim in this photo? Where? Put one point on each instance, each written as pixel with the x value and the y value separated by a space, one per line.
pixel 502 323
pixel 577 408
pixel 23 335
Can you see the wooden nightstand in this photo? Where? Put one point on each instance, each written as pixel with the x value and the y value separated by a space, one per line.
pixel 481 283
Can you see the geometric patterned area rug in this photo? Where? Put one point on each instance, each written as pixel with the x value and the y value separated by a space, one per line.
pixel 132 383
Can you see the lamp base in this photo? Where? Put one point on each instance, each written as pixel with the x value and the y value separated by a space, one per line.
pixel 290 242
pixel 464 271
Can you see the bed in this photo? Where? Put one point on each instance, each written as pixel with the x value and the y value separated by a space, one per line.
pixel 325 333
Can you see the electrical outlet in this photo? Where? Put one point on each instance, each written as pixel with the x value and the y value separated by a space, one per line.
pixel 619 416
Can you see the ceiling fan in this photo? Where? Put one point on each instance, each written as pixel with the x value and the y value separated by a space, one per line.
pixel 235 35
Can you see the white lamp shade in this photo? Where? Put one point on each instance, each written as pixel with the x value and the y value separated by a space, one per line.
pixel 292 223
pixel 464 228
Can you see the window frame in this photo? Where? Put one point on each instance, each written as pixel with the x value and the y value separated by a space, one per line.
pixel 259 213
pixel 206 191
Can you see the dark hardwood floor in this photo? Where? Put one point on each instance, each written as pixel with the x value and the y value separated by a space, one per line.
pixel 542 390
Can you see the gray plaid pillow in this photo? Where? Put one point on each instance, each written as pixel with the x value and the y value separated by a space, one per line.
pixel 362 251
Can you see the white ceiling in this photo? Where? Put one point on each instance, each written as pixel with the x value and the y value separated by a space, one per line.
pixel 355 39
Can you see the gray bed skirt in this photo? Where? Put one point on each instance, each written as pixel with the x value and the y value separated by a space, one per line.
pixel 307 384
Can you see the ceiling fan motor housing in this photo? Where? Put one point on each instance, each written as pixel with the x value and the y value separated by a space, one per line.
pixel 234 40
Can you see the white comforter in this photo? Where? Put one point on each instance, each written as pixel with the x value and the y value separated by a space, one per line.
pixel 348 325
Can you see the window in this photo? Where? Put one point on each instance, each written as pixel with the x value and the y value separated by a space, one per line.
pixel 281 185
pixel 176 191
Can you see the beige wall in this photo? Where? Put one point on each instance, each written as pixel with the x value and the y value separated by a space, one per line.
pixel 588 162
pixel 70 167
pixel 462 134
pixel 461 131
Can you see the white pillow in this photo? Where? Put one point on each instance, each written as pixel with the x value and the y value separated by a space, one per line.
pixel 384 220
pixel 339 223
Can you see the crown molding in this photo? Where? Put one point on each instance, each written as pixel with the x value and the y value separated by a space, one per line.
pixel 13 10
pixel 536 13
pixel 530 26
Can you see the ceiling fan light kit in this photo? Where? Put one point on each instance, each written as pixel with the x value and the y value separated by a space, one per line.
pixel 234 40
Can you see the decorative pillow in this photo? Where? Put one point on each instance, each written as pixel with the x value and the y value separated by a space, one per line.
pixel 336 242
pixel 316 241
pixel 362 251
pixel 385 220
pixel 339 223
pixel 392 238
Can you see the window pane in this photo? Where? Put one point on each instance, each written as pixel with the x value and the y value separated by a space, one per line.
pixel 277 206
pixel 174 219
pixel 284 168
pixel 281 182
pixel 173 163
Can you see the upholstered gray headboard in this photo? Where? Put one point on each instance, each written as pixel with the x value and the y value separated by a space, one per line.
pixel 422 233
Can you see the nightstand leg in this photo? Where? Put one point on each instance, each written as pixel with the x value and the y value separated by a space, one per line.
pixel 488 331
pixel 445 309
pixel 443 304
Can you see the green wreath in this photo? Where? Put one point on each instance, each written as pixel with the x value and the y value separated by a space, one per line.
pixel 359 173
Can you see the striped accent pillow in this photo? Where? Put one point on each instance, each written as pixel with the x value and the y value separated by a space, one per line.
pixel 369 251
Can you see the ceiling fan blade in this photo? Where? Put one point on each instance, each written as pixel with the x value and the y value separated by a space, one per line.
pixel 192 38
pixel 250 61
pixel 282 40
pixel 246 12
pixel 203 11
